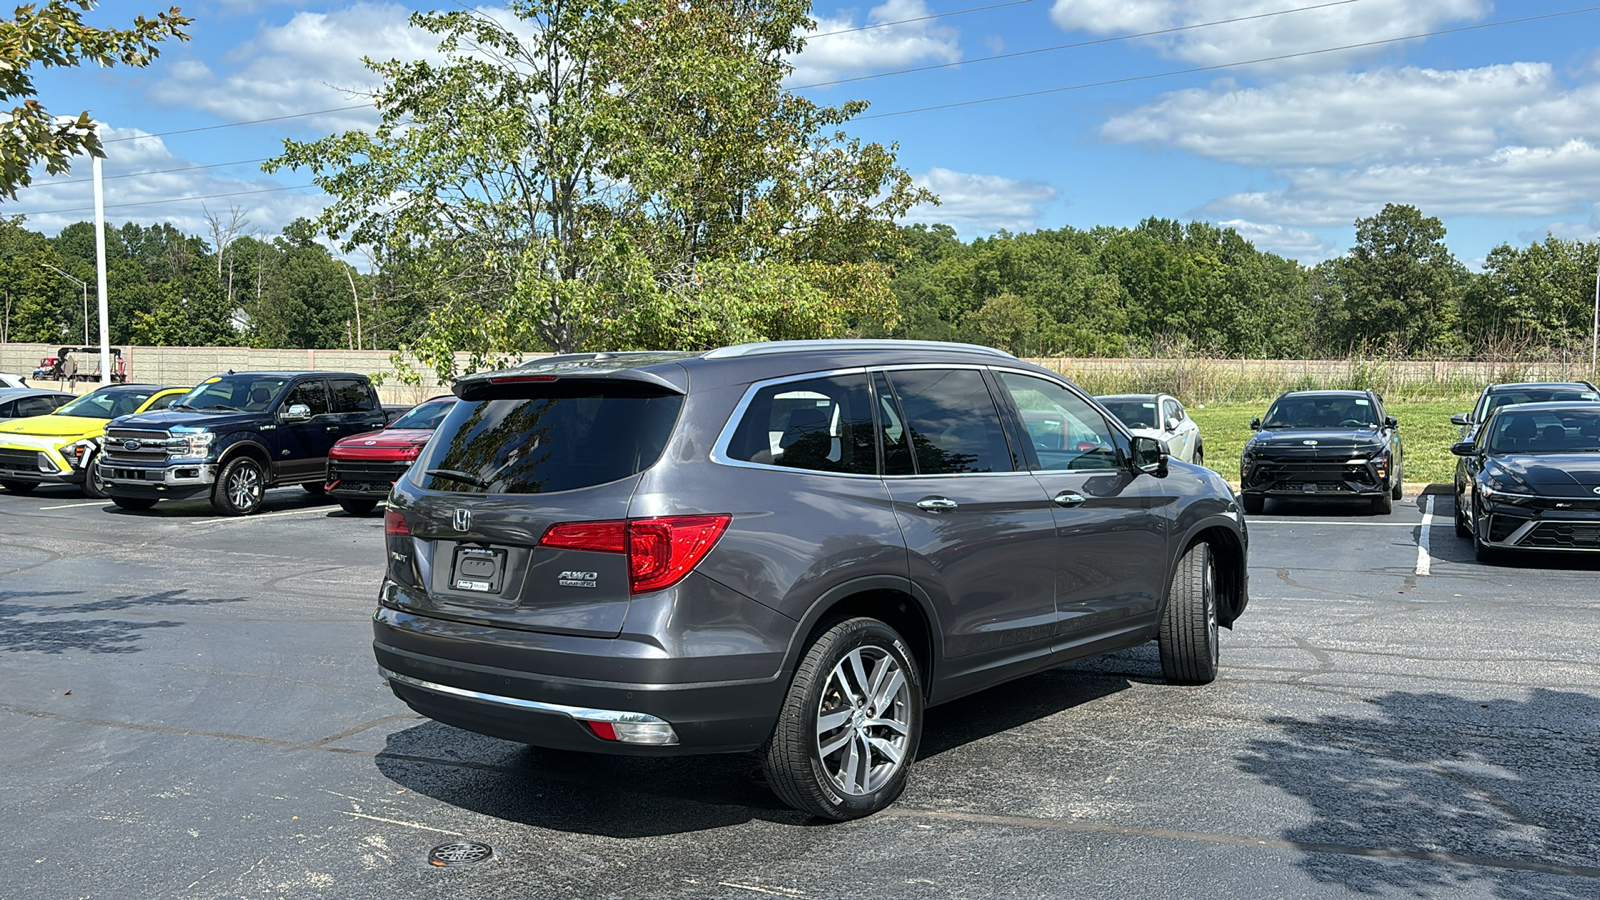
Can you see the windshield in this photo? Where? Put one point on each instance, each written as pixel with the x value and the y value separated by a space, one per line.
pixel 543 445
pixel 1536 395
pixel 1321 412
pixel 425 415
pixel 250 393
pixel 106 404
pixel 1545 431
pixel 1133 413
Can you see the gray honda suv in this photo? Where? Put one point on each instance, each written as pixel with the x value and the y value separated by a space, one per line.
pixel 789 547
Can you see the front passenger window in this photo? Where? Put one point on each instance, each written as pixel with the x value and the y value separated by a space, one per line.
pixel 311 393
pixel 1067 433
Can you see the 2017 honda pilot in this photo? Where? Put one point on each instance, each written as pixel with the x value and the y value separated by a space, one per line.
pixel 790 547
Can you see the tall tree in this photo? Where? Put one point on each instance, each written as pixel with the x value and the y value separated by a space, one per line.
pixel 53 36
pixel 1400 286
pixel 619 173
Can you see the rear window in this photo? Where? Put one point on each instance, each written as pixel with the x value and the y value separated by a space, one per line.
pixel 545 445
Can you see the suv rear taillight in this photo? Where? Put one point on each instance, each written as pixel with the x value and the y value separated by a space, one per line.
pixel 660 551
pixel 394 522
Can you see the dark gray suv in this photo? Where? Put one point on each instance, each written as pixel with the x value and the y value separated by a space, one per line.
pixel 789 547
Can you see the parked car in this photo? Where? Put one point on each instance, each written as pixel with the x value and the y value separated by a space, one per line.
pixel 237 435
pixel 1323 444
pixel 26 402
pixel 790 547
pixel 1495 396
pixel 8 380
pixel 363 467
pixel 62 447
pixel 1530 480
pixel 1162 417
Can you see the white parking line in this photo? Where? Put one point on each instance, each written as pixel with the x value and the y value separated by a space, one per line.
pixel 76 505
pixel 1425 562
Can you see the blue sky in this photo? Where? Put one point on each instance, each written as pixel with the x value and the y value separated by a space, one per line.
pixel 1262 123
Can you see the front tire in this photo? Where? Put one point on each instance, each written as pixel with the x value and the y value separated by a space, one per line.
pixel 1383 504
pixel 134 502
pixel 358 507
pixel 240 487
pixel 19 487
pixel 1253 504
pixel 1463 529
pixel 1189 637
pixel 1199 454
pixel 93 487
pixel 850 724
pixel 315 488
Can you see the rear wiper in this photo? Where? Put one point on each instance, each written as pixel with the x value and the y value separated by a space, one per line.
pixel 458 475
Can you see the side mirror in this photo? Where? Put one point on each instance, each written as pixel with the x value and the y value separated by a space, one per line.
pixel 1391 422
pixel 1172 423
pixel 1255 424
pixel 1464 448
pixel 297 412
pixel 1150 456
pixel 1461 420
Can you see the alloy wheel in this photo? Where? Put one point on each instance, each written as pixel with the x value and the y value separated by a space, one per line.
pixel 864 721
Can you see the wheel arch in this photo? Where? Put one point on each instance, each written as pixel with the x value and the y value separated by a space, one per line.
pixel 1228 553
pixel 893 600
pixel 247 447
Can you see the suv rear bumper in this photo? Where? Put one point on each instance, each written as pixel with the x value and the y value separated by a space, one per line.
pixel 437 666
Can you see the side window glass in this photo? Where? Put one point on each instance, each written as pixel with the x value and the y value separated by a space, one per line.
pixel 819 424
pixel 1169 410
pixel 892 430
pixel 162 402
pixel 953 422
pixel 352 395
pixel 1067 433
pixel 7 410
pixel 311 393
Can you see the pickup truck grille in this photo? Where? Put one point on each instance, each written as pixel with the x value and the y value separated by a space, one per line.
pixel 151 446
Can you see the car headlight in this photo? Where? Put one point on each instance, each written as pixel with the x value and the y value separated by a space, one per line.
pixel 1500 493
pixel 194 445
pixel 78 452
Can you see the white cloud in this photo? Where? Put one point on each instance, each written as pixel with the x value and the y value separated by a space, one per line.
pixel 980 204
pixel 1264 36
pixel 831 56
pixel 1290 243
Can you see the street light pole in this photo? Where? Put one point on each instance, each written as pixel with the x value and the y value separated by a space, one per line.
pixel 85 286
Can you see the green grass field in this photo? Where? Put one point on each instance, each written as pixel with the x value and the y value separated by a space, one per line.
pixel 1425 431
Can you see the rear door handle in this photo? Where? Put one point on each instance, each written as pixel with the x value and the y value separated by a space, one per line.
pixel 331 428
pixel 1067 498
pixel 937 504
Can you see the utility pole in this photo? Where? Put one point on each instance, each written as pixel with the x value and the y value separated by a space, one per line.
pixel 85 286
pixel 100 267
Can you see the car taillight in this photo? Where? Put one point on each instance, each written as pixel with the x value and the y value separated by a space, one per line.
pixel 660 551
pixel 394 522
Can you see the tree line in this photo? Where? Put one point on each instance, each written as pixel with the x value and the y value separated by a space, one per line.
pixel 1158 288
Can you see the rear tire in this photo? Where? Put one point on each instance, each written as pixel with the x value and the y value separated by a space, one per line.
pixel 134 502
pixel 1199 454
pixel 315 488
pixel 240 487
pixel 358 507
pixel 1188 640
pixel 1383 504
pixel 1253 504
pixel 93 487
pixel 856 699
pixel 19 487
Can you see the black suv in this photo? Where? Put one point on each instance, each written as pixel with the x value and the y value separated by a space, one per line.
pixel 793 547
pixel 236 435
pixel 1323 444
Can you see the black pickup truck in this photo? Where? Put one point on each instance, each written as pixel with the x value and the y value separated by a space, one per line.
pixel 236 435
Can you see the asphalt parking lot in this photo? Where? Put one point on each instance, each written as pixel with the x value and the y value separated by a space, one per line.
pixel 191 710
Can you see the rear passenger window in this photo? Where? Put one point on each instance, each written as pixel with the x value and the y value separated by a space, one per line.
pixel 1067 433
pixel 819 424
pixel 352 395
pixel 953 422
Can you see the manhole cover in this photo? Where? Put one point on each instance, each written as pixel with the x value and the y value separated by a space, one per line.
pixel 460 853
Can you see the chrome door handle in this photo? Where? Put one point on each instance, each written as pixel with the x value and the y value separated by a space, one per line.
pixel 1067 498
pixel 937 504
pixel 331 428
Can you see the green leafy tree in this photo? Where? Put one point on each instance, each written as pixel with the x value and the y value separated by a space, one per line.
pixel 1399 286
pixel 616 173
pixel 1543 293
pixel 54 35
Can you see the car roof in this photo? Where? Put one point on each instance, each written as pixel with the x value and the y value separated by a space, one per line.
pixel 10 392
pixel 1548 406
pixel 1534 385
pixel 1325 393
pixel 118 388
pixel 290 373
pixel 1130 396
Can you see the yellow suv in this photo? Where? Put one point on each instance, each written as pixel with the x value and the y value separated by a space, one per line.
pixel 61 448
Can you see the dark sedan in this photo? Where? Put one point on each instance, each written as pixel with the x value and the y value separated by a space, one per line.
pixel 1323 444
pixel 26 402
pixel 1531 480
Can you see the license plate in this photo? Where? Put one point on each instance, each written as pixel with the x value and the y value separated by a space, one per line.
pixel 478 569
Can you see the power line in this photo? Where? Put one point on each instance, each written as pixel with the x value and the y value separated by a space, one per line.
pixel 958 12
pixel 318 112
pixel 1230 65
pixel 76 181
pixel 53 212
pixel 1107 40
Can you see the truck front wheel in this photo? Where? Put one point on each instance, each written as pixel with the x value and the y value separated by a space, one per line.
pixel 240 486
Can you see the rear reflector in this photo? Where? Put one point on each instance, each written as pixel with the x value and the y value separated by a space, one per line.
pixel 394 522
pixel 660 551
pixel 602 730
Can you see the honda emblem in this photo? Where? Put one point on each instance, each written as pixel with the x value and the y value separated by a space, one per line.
pixel 463 520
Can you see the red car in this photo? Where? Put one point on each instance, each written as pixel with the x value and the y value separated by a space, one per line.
pixel 362 467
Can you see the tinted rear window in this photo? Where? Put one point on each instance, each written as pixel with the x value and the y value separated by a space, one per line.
pixel 543 445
